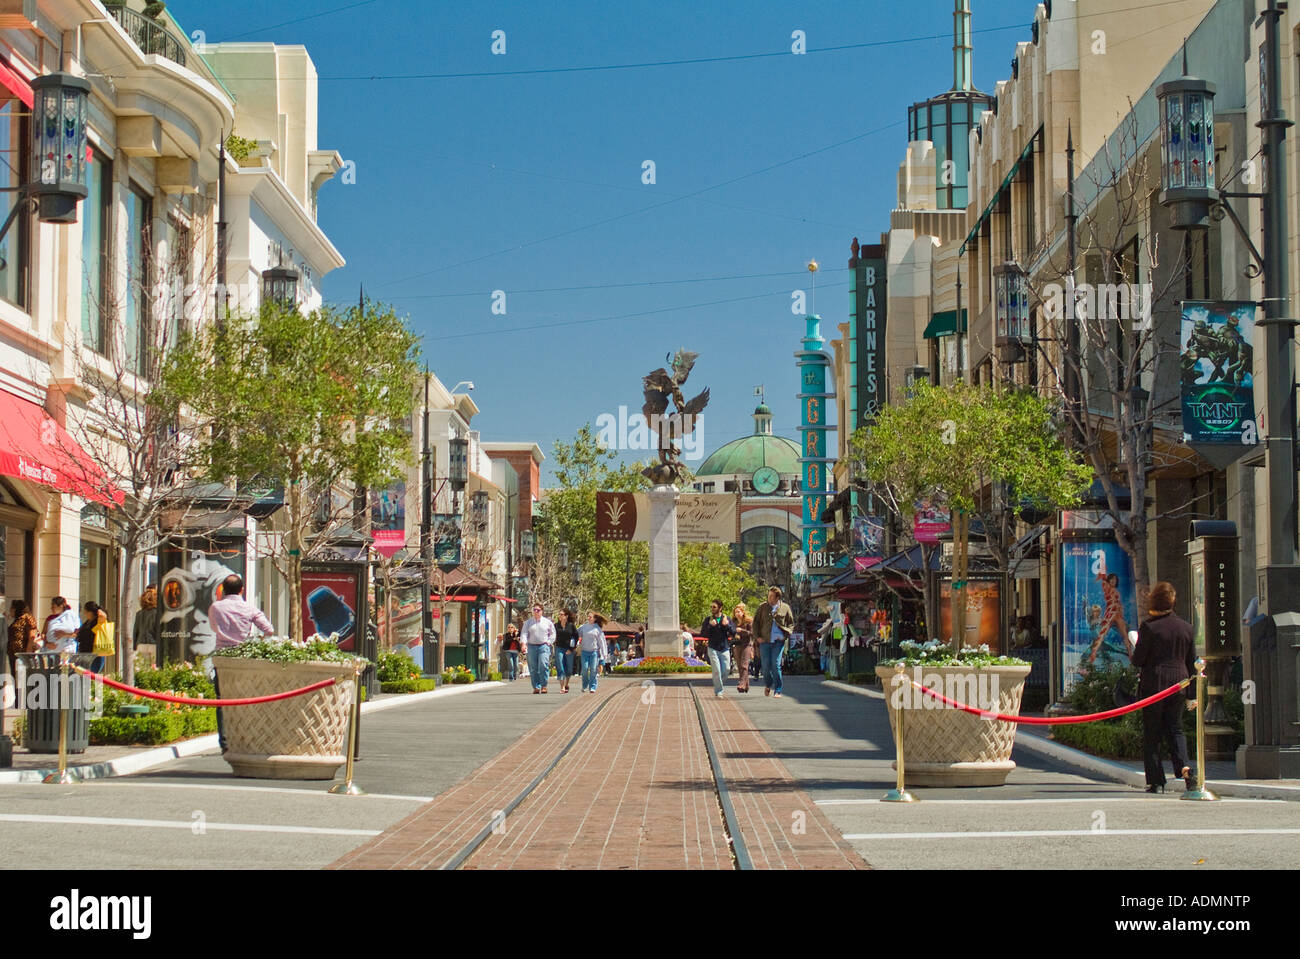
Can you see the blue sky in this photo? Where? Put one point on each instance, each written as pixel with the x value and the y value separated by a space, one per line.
pixel 532 184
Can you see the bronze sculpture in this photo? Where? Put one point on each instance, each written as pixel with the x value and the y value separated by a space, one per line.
pixel 659 387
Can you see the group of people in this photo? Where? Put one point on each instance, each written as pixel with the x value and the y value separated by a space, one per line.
pixel 63 630
pixel 766 634
pixel 573 649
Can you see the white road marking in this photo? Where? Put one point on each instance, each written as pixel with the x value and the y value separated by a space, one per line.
pixel 182 824
pixel 140 784
pixel 1051 833
pixel 1023 802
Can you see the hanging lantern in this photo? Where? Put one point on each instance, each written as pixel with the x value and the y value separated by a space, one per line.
pixel 640 583
pixel 458 462
pixel 527 544
pixel 1187 176
pixel 59 145
pixel 1011 310
pixel 479 508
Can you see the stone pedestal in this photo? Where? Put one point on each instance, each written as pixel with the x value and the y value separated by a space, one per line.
pixel 663 634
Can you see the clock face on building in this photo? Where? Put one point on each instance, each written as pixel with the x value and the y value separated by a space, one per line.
pixel 766 480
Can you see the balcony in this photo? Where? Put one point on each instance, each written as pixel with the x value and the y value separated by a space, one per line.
pixel 149 35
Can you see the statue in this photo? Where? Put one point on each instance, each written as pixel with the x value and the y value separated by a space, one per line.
pixel 659 387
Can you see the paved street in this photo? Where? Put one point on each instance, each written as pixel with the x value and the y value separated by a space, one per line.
pixel 805 774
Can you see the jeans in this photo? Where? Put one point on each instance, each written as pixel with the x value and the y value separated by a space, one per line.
pixel 720 660
pixel 539 664
pixel 216 689
pixel 512 657
pixel 771 654
pixel 590 669
pixel 563 665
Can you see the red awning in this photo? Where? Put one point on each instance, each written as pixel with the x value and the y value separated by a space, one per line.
pixel 15 85
pixel 467 598
pixel 504 599
pixel 35 448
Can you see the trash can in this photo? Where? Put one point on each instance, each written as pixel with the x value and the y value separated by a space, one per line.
pixel 44 695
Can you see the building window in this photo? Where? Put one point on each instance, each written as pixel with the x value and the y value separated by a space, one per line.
pixel 95 218
pixel 139 217
pixel 179 255
pixel 15 250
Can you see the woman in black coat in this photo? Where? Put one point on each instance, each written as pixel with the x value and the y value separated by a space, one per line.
pixel 1165 654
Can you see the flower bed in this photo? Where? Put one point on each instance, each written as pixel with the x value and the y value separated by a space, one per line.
pixel 662 664
pixel 457 675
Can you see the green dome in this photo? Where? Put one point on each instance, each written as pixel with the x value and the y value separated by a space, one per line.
pixel 749 453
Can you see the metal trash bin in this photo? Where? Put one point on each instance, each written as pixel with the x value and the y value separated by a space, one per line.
pixel 44 696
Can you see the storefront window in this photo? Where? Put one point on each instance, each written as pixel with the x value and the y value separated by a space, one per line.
pixel 13 173
pixel 94 250
pixel 139 213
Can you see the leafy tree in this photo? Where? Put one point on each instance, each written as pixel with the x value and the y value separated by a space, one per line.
pixel 959 443
pixel 313 402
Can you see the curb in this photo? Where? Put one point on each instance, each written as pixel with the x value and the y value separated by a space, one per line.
pixel 150 758
pixel 1108 769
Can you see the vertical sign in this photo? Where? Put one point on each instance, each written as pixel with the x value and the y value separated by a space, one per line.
pixel 388 518
pixel 1215 366
pixel 1098 604
pixel 868 315
pixel 814 464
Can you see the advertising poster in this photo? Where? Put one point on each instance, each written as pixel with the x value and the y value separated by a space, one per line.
pixel 983 613
pixel 329 606
pixel 446 539
pixel 405 634
pixel 388 518
pixel 930 520
pixel 1099 606
pixel 190 583
pixel 868 541
pixel 1217 352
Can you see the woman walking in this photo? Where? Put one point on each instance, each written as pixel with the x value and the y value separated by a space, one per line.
pixel 92 615
pixel 743 648
pixel 511 645
pixel 144 629
pixel 23 633
pixel 566 644
pixel 1165 654
pixel 594 649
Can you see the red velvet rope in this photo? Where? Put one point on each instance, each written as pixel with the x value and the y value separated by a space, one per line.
pixel 1058 720
pixel 186 701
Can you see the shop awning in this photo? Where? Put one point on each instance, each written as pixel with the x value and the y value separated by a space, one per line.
pixel 997 195
pixel 33 447
pixel 466 598
pixel 12 85
pixel 945 323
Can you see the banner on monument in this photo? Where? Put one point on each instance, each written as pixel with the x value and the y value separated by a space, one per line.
pixel 701 517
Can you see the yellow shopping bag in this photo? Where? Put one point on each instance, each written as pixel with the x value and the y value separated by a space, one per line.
pixel 105 640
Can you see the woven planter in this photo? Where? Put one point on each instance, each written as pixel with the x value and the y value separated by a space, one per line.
pixel 944 746
pixel 304 737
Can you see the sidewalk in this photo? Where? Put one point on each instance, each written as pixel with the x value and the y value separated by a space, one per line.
pixel 1221 777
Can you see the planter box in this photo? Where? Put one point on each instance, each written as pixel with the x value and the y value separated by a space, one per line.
pixel 304 737
pixel 944 746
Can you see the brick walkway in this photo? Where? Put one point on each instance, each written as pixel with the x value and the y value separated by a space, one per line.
pixel 635 792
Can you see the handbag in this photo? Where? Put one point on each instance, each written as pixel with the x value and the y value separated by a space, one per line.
pixel 105 639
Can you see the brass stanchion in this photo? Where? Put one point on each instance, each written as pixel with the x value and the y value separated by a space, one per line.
pixel 349 788
pixel 1200 793
pixel 899 793
pixel 62 777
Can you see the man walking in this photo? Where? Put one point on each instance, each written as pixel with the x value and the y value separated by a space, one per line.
pixel 719 631
pixel 539 635
pixel 233 620
pixel 773 624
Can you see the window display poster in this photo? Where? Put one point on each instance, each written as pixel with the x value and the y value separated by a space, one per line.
pixel 329 606
pixel 983 613
pixel 190 583
pixel 1099 606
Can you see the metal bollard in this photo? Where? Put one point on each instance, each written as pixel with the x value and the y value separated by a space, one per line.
pixel 349 788
pixel 62 777
pixel 1200 793
pixel 899 793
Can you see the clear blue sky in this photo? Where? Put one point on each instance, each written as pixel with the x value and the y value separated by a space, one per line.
pixel 467 185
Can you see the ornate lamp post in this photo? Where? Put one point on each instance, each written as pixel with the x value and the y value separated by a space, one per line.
pixel 58 146
pixel 1011 311
pixel 1187 184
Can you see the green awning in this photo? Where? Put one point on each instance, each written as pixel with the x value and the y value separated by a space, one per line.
pixel 945 324
pixel 997 196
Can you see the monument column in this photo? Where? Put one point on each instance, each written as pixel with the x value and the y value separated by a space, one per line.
pixel 663 635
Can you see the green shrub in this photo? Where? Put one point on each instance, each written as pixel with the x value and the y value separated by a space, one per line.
pixel 408 685
pixel 457 674
pixel 661 664
pixel 180 678
pixel 239 148
pixel 862 679
pixel 1112 738
pixel 494 676
pixel 394 667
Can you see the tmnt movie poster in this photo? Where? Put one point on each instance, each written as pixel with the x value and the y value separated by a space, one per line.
pixel 1216 358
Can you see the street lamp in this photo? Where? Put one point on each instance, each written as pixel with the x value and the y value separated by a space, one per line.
pixel 58 146
pixel 280 285
pixel 576 570
pixel 527 544
pixel 617 611
pixel 1011 311
pixel 1187 185
pixel 479 508
pixel 564 555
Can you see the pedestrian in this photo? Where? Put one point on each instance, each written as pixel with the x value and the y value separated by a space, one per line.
pixel 688 642
pixel 233 620
pixel 718 630
pixel 539 635
pixel 743 647
pixel 24 634
pixel 566 647
pixel 93 621
pixel 511 644
pixel 593 648
pixel 144 628
pixel 61 627
pixel 1165 654
pixel 773 624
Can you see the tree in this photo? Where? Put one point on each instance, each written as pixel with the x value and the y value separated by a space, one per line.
pixel 311 402
pixel 959 442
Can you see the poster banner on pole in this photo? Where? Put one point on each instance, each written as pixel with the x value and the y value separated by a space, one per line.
pixel 329 606
pixel 446 539
pixel 930 520
pixel 1218 399
pixel 1098 605
pixel 701 517
pixel 868 541
pixel 388 518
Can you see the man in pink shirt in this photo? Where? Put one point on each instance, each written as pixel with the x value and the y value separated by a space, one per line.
pixel 232 617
